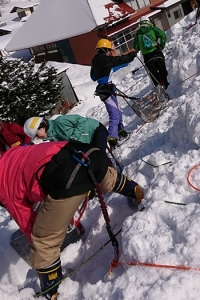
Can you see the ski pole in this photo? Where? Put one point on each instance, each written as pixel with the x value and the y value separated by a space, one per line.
pixel 124 96
pixel 133 98
pixel 148 72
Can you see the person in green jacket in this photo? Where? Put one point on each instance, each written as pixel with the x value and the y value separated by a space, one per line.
pixel 151 40
pixel 66 128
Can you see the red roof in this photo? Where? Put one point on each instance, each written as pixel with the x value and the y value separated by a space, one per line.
pixel 126 24
pixel 117 11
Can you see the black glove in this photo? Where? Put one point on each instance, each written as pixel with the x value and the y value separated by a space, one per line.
pixel 50 276
pixel 133 54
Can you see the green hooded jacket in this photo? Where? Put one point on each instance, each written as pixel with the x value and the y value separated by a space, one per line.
pixel 155 33
pixel 75 127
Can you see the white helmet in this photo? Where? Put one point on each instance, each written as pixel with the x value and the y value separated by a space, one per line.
pixel 144 18
pixel 31 126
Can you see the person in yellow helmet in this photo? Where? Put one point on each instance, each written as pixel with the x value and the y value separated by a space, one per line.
pixel 103 65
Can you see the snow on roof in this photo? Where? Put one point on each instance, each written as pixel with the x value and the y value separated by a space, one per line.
pixel 12 26
pixel 152 13
pixel 5 39
pixel 107 11
pixel 131 23
pixel 66 18
pixel 168 3
pixel 60 67
pixel 24 5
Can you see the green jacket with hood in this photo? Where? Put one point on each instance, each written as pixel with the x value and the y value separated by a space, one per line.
pixel 155 33
pixel 74 127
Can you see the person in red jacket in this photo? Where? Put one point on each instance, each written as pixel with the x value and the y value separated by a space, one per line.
pixel 60 174
pixel 11 135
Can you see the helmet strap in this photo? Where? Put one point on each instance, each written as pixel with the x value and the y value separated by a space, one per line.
pixel 103 50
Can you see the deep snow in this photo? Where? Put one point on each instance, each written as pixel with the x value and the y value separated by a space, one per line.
pixel 159 156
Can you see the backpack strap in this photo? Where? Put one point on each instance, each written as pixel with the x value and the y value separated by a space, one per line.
pixel 77 168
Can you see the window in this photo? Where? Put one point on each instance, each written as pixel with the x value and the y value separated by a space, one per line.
pixel 21 14
pixel 124 41
pixel 177 14
pixel 137 4
pixel 51 46
pixel 39 49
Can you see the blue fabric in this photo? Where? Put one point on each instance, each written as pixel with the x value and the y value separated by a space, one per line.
pixel 93 77
pixel 103 80
pixel 115 116
pixel 115 69
pixel 107 79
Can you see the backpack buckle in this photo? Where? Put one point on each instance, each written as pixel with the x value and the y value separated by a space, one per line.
pixel 85 161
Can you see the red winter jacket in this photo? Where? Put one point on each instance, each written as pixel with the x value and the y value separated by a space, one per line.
pixel 19 188
pixel 11 135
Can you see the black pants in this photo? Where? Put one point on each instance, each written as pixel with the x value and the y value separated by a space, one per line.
pixel 100 138
pixel 155 63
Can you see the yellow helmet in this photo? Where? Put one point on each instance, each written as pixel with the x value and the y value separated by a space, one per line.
pixel 103 43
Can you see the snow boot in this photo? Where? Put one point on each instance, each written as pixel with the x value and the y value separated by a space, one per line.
pixel 113 142
pixel 135 199
pixel 166 84
pixel 122 134
pixel 49 277
pixel 129 188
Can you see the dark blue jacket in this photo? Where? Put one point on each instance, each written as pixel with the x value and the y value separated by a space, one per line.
pixel 104 66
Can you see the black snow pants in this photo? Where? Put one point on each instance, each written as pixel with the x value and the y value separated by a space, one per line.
pixel 155 63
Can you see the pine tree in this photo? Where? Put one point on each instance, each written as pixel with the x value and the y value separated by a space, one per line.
pixel 27 90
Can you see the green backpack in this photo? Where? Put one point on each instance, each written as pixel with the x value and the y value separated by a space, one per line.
pixel 147 41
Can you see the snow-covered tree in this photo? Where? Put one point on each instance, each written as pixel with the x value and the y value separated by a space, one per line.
pixel 27 90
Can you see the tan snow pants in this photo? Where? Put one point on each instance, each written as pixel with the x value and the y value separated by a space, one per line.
pixel 52 221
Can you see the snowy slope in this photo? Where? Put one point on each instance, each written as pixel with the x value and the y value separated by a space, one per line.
pixel 163 233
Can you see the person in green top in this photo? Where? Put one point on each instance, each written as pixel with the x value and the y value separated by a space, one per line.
pixel 151 40
pixel 66 128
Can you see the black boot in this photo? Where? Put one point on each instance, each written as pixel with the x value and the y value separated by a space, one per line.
pixel 122 134
pixel 129 188
pixel 166 84
pixel 113 142
pixel 50 276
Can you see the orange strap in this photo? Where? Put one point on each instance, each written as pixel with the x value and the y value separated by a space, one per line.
pixel 188 177
pixel 115 264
